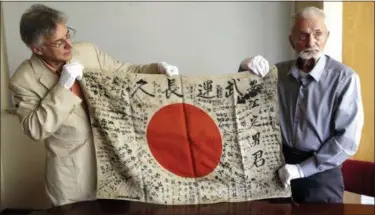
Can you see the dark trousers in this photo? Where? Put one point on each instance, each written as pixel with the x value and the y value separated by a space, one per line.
pixel 322 187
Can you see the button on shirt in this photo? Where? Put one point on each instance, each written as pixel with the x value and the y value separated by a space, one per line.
pixel 321 112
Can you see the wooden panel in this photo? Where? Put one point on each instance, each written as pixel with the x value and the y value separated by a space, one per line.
pixel 352 198
pixel 358 53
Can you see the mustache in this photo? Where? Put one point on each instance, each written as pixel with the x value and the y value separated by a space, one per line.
pixel 309 53
pixel 308 50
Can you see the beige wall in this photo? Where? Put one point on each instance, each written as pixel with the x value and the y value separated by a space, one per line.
pixel 4 104
pixel 5 98
pixel 23 167
pixel 3 101
pixel 21 160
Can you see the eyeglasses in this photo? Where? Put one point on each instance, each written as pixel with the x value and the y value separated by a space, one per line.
pixel 62 42
pixel 318 35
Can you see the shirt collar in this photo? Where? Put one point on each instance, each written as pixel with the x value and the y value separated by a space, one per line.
pixel 49 66
pixel 316 72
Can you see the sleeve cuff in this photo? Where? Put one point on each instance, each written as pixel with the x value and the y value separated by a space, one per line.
pixel 309 167
pixel 300 172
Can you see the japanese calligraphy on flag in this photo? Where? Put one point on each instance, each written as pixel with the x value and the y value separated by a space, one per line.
pixel 185 140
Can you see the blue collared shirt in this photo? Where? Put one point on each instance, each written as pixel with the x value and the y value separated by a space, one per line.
pixel 320 112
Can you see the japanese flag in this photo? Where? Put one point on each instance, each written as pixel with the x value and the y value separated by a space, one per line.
pixel 185 140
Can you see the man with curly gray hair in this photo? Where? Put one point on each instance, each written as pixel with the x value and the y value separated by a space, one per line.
pixel 51 106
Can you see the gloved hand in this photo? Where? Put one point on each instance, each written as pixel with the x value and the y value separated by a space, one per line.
pixel 70 72
pixel 165 68
pixel 257 64
pixel 289 172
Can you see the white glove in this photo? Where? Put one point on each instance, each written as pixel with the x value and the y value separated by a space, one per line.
pixel 70 72
pixel 257 64
pixel 289 172
pixel 165 68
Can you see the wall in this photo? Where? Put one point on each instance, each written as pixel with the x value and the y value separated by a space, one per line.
pixel 21 160
pixel 334 22
pixel 4 101
pixel 358 53
pixel 200 38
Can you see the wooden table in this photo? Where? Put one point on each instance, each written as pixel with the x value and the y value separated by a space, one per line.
pixel 108 207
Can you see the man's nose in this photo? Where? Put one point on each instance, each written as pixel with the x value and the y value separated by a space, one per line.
pixel 311 41
pixel 68 44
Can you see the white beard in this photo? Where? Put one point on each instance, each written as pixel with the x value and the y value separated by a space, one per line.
pixel 308 54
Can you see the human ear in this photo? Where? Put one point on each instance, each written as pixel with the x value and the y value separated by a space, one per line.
pixel 36 50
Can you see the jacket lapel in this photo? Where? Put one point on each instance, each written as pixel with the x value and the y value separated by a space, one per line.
pixel 49 79
pixel 46 76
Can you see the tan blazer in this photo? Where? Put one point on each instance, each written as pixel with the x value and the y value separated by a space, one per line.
pixel 49 112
